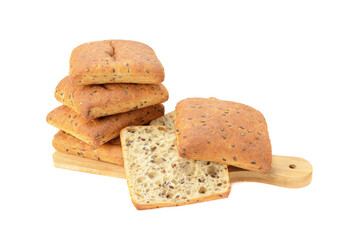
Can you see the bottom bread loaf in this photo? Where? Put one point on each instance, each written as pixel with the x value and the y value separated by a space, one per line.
pixel 109 152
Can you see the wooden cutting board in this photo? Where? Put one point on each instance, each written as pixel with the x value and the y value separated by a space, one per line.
pixel 289 172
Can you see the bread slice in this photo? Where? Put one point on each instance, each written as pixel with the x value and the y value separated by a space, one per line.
pixel 223 131
pixel 99 131
pixel 109 152
pixel 158 177
pixel 166 121
pixel 96 101
pixel 115 61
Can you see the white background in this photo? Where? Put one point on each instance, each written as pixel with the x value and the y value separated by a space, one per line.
pixel 296 61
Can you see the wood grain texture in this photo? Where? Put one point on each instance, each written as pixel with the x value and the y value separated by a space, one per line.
pixel 71 162
pixel 289 172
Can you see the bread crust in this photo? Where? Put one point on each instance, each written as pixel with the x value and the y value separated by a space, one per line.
pixel 99 131
pixel 223 131
pixel 109 152
pixel 96 101
pixel 115 61
pixel 191 201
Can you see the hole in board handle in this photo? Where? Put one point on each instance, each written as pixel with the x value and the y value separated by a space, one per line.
pixel 292 166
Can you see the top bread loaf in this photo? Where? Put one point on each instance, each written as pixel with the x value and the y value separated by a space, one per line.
pixel 115 61
pixel 223 131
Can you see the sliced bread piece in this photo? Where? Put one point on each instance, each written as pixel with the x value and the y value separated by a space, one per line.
pixel 167 121
pixel 158 177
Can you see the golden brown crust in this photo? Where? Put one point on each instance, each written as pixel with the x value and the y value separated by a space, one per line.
pixel 115 61
pixel 108 152
pixel 95 101
pixel 223 131
pixel 99 131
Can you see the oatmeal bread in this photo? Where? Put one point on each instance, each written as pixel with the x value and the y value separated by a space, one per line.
pixel 115 61
pixel 158 177
pixel 223 131
pixel 95 101
pixel 99 131
pixel 109 152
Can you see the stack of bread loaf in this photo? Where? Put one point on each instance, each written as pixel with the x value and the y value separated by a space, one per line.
pixel 111 85
pixel 180 158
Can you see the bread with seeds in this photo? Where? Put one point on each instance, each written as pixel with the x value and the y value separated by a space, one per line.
pixel 115 61
pixel 158 177
pixel 109 152
pixel 96 101
pixel 223 131
pixel 99 131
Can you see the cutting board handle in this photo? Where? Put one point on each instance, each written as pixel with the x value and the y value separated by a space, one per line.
pixel 289 172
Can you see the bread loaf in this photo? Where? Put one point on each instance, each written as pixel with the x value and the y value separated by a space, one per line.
pixel 99 131
pixel 96 101
pixel 223 131
pixel 115 61
pixel 109 152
